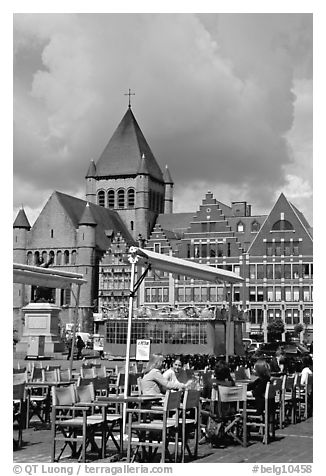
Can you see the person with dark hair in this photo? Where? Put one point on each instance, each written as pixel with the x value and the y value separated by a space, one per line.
pixel 223 375
pixel 153 382
pixel 306 369
pixel 258 386
pixel 80 344
pixel 176 373
pixel 279 364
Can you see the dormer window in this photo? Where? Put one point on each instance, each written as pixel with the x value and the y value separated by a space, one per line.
pixel 282 225
pixel 255 226
pixel 240 227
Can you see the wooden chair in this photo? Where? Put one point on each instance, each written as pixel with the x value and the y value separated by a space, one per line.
pixel 36 373
pixel 288 399
pixel 19 411
pixel 72 423
pixel 304 398
pixel 87 372
pixel 277 383
pixel 231 411
pixel 152 432
pixel 50 375
pixel 87 394
pixel 65 375
pixel 100 371
pixel 190 422
pixel 36 397
pixel 265 423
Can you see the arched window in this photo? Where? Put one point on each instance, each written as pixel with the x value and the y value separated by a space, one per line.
pixel 255 226
pixel 66 257
pixel 36 258
pixel 44 256
pixel 121 198
pixel 131 198
pixel 132 225
pixel 101 198
pixel 282 225
pixel 73 257
pixel 30 258
pixel 111 198
pixel 51 256
pixel 58 260
pixel 240 227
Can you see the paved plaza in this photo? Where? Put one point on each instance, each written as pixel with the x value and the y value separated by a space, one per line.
pixel 293 444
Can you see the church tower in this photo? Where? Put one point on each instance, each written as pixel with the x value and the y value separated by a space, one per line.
pixel 127 178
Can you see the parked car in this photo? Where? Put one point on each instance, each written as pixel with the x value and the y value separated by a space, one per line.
pixel 294 351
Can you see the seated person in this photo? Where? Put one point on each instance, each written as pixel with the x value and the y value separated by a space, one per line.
pixel 306 369
pixel 258 386
pixel 223 375
pixel 177 374
pixel 279 364
pixel 153 382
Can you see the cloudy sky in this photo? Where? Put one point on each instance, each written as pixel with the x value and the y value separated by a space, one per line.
pixel 224 99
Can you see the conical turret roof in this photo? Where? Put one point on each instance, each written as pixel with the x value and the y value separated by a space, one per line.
pixel 21 220
pixel 143 169
pixel 167 175
pixel 91 170
pixel 123 153
pixel 87 217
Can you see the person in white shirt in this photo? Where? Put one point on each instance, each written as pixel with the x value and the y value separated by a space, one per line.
pixel 176 374
pixel 153 382
pixel 306 369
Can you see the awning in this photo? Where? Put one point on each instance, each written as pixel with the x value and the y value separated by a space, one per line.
pixel 45 277
pixel 184 267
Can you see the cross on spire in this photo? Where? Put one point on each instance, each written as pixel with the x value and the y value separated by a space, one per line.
pixel 130 94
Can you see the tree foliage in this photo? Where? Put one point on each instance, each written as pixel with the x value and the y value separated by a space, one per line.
pixel 276 326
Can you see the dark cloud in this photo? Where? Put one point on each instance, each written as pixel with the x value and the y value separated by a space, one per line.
pixel 215 97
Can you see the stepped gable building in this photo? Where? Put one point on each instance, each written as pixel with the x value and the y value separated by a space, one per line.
pixel 129 199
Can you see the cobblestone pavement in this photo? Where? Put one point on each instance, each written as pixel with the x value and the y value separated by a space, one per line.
pixel 293 444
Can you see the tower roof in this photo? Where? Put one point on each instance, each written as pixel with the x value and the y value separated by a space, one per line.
pixel 124 151
pixel 87 217
pixel 167 175
pixel 21 220
pixel 143 169
pixel 91 170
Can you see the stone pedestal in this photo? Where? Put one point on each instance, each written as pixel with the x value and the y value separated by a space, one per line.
pixel 40 336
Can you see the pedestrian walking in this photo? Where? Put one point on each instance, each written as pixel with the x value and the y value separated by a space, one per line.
pixel 80 344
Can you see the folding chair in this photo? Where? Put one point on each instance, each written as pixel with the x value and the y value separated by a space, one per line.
pixel 265 423
pixel 288 399
pixel 65 375
pixel 19 409
pixel 71 423
pixel 304 398
pixel 88 372
pixel 50 375
pixel 150 432
pixel 87 394
pixel 231 411
pixel 277 383
pixel 190 422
